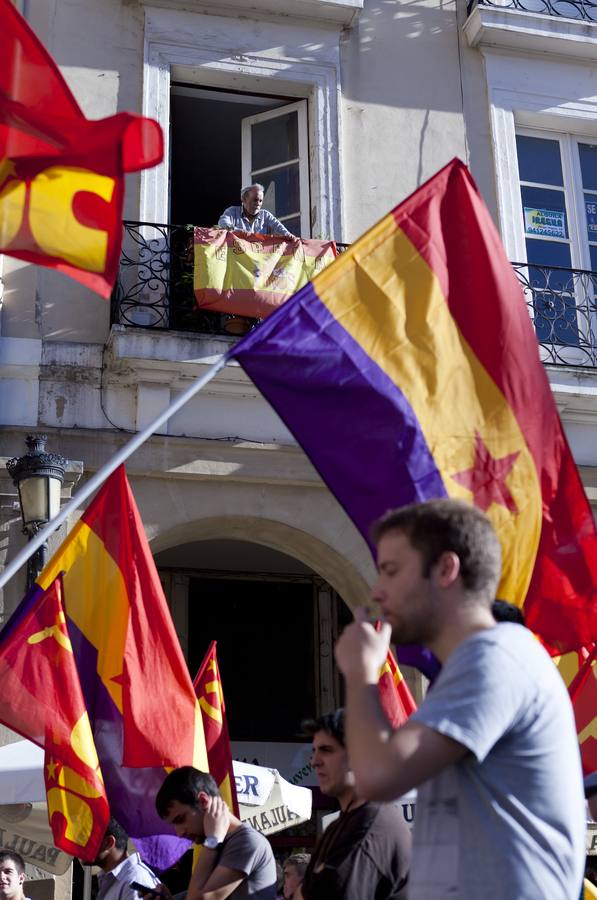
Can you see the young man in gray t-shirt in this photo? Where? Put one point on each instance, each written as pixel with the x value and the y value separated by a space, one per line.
pixel 500 813
pixel 236 861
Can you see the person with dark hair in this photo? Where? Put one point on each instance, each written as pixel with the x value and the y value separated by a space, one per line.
pixel 294 870
pixel 12 875
pixel 503 611
pixel 366 851
pixel 118 869
pixel 493 747
pixel 236 861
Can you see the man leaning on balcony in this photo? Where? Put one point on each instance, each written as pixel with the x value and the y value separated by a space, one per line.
pixel 250 216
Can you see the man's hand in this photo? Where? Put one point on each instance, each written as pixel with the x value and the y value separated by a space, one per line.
pixel 361 651
pixel 216 820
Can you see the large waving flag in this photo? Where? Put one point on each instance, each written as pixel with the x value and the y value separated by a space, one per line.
pixel 409 370
pixel 61 175
pixel 139 695
pixel 41 698
pixel 208 686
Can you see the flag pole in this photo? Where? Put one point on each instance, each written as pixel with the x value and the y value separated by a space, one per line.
pixel 106 470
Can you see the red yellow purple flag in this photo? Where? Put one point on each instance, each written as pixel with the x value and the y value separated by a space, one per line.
pixel 252 274
pixel 396 699
pixel 208 687
pixel 62 175
pixel 41 699
pixel 409 370
pixel 583 694
pixel 138 692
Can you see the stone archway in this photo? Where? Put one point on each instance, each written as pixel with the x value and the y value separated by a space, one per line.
pixel 338 571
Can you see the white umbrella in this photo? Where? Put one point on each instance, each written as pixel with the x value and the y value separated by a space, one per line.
pixel 268 802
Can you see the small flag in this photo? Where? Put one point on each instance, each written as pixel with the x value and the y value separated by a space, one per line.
pixel 396 699
pixel 394 693
pixel 208 687
pixel 41 698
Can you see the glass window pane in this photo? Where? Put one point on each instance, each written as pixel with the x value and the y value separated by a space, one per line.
pixel 544 212
pixel 593 251
pixel 548 253
pixel 274 141
pixel 539 160
pixel 588 165
pixel 294 225
pixel 282 194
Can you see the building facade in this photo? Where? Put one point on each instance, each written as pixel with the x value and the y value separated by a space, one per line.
pixel 341 108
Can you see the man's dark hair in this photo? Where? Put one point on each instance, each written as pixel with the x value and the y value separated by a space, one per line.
pixel 120 836
pixel 16 858
pixel 332 723
pixel 503 611
pixel 183 785
pixel 441 526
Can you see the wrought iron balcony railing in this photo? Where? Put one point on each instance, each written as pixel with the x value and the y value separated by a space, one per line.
pixel 155 290
pixel 563 305
pixel 569 9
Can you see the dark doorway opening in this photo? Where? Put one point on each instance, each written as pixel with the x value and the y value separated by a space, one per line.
pixel 265 632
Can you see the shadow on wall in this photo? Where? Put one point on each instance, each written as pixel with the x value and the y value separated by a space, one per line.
pixel 404 54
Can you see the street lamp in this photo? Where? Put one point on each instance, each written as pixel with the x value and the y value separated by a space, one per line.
pixel 38 477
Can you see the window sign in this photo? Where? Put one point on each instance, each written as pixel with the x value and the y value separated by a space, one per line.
pixel 591 211
pixel 545 222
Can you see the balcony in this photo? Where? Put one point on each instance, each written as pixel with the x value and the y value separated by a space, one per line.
pixel 568 9
pixel 154 290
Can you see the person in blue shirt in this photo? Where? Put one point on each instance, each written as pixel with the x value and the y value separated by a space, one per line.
pixel 251 217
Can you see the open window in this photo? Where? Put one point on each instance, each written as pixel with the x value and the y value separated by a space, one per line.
pixel 275 153
pixel 222 140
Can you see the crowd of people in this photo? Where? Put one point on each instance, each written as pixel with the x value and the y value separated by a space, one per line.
pixel 492 750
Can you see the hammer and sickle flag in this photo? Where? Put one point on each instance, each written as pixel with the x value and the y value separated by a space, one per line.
pixel 41 699
pixel 62 175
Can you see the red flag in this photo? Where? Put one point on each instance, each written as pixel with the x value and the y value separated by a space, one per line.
pixel 583 693
pixel 208 687
pixel 42 699
pixel 396 699
pixel 62 175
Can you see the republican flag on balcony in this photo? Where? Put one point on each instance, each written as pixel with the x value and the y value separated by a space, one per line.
pixel 41 699
pixel 62 175
pixel 409 370
pixel 138 692
pixel 208 687
pixel 253 274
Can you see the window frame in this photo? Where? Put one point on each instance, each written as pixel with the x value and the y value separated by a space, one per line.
pixel 205 57
pixel 573 190
pixel 248 176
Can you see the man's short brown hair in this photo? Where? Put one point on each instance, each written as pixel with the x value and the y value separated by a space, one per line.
pixel 440 526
